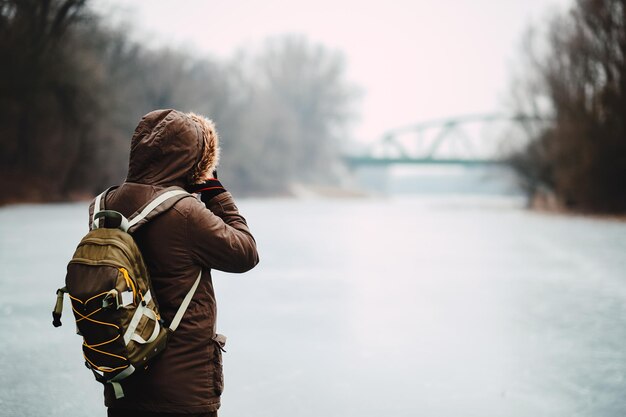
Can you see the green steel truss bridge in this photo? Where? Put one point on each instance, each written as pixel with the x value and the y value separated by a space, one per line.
pixel 464 140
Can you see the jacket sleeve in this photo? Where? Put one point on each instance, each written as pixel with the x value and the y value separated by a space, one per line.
pixel 219 236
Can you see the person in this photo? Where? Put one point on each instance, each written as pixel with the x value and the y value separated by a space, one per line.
pixel 171 148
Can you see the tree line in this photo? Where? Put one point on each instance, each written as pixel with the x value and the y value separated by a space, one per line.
pixel 576 80
pixel 72 89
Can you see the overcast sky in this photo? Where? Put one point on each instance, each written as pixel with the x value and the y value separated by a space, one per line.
pixel 414 60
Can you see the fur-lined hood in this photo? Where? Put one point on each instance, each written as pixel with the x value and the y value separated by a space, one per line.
pixel 168 147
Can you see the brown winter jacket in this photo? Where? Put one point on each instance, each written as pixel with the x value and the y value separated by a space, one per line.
pixel 187 377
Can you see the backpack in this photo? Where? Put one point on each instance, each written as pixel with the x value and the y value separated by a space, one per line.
pixel 112 298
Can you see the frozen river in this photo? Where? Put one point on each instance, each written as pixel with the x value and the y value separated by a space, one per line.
pixel 396 307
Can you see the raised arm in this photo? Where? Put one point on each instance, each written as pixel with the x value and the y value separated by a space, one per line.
pixel 219 236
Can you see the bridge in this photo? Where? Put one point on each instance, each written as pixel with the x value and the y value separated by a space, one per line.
pixel 458 140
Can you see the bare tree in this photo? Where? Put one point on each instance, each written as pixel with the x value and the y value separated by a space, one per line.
pixel 295 109
pixel 582 155
pixel 73 89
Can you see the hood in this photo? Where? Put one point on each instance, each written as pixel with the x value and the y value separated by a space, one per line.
pixel 165 147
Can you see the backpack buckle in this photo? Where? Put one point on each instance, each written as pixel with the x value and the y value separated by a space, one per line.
pixel 110 300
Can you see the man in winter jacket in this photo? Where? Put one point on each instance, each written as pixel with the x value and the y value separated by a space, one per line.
pixel 170 148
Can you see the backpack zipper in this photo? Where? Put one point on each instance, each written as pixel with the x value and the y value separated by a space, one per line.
pixel 131 284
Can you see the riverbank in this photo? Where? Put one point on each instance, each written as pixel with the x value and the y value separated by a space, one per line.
pixel 295 191
pixel 548 203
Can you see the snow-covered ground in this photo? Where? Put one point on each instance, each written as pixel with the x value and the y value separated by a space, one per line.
pixel 367 307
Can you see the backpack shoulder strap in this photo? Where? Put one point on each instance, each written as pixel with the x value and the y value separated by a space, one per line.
pixel 162 202
pixel 98 205
pixel 186 301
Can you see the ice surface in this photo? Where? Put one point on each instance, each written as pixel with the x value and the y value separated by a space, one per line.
pixel 374 307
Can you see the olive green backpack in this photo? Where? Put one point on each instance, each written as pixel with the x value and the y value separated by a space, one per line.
pixel 112 298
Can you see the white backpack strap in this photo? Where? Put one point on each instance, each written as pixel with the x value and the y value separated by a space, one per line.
pixel 142 310
pixel 183 306
pixel 96 209
pixel 98 206
pixel 115 381
pixel 162 202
